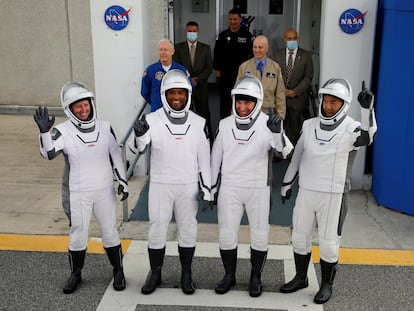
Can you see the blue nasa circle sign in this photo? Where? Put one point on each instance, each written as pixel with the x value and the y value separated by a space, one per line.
pixel 116 17
pixel 351 21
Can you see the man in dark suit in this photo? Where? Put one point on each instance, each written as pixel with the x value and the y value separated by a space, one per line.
pixel 196 57
pixel 297 74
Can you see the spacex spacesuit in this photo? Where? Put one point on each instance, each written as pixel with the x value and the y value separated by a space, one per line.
pixel 179 173
pixel 92 158
pixel 239 171
pixel 323 159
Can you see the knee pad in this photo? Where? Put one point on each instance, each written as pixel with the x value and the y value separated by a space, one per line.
pixel 329 249
pixel 157 238
pixel 259 239
pixel 301 242
pixel 228 239
pixel 110 237
pixel 187 235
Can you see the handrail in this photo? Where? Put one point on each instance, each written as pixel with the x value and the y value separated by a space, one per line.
pixel 130 170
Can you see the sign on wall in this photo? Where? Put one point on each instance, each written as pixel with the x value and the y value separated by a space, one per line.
pixel 116 17
pixel 351 21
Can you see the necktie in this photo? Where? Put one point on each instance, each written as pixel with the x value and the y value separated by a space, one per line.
pixel 289 68
pixel 192 54
pixel 260 68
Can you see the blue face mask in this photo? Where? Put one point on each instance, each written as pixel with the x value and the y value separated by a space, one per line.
pixel 291 45
pixel 192 36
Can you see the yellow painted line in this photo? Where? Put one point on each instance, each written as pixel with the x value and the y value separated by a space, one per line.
pixel 378 257
pixel 49 243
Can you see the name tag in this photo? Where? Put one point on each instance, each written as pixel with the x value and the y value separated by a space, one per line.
pixel 241 40
pixel 270 75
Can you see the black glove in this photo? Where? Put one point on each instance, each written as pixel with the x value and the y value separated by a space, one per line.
pixel 42 119
pixel 141 126
pixel 207 205
pixel 365 97
pixel 287 196
pixel 274 123
pixel 125 194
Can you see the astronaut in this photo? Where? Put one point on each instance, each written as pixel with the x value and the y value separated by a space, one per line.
pixel 240 164
pixel 323 160
pixel 179 175
pixel 92 158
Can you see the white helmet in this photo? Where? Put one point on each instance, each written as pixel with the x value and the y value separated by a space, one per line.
pixel 340 88
pixel 71 93
pixel 248 86
pixel 175 79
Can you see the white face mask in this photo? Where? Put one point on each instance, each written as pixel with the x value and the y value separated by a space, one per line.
pixel 192 36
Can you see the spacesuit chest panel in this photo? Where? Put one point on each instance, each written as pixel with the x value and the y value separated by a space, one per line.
pixel 88 156
pixel 245 154
pixel 173 149
pixel 325 157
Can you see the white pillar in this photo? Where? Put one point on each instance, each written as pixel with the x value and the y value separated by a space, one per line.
pixel 119 58
pixel 348 56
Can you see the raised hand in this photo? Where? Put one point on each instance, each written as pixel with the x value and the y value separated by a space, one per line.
pixel 42 119
pixel 141 126
pixel 274 123
pixel 365 97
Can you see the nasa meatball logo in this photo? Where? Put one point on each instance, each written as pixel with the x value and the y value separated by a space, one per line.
pixel 116 17
pixel 351 21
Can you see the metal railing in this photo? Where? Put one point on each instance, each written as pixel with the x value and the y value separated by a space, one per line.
pixel 130 169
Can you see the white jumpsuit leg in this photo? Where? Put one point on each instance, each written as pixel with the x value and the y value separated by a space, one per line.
pixel 102 203
pixel 323 207
pixel 162 201
pixel 105 214
pixel 231 204
pixel 81 204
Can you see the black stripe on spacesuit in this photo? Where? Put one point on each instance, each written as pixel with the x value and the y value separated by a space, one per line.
pixel 181 134
pixel 291 181
pixel 342 213
pixel 202 182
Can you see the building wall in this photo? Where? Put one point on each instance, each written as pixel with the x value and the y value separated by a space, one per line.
pixel 44 44
pixel 47 43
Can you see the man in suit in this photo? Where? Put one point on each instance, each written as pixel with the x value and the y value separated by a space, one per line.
pixel 269 73
pixel 297 82
pixel 199 64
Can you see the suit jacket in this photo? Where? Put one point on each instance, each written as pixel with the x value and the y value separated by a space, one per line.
pixel 272 81
pixel 203 64
pixel 301 78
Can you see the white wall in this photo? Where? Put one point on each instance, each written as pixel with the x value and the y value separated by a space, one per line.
pixel 119 62
pixel 348 56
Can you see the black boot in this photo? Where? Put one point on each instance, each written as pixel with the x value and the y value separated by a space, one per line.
pixel 76 261
pixel 229 258
pixel 186 258
pixel 156 257
pixel 328 275
pixel 257 259
pixel 301 278
pixel 115 258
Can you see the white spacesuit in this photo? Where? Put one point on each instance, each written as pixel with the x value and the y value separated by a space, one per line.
pixel 179 174
pixel 239 171
pixel 92 158
pixel 323 161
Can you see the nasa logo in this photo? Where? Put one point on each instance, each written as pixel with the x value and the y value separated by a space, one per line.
pixel 351 21
pixel 116 17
